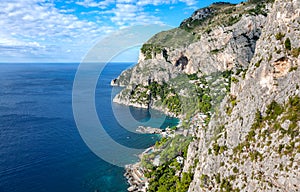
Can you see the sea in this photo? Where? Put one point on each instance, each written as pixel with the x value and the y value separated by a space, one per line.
pixel 41 149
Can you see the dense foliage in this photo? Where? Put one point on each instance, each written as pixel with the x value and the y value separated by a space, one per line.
pixel 164 179
pixel 149 49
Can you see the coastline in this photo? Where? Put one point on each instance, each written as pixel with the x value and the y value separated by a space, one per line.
pixel 126 102
pixel 135 173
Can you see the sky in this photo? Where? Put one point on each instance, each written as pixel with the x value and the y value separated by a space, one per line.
pixel 65 30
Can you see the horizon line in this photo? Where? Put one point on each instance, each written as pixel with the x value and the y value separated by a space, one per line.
pixel 28 62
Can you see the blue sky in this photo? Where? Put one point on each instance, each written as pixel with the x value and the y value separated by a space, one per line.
pixel 64 30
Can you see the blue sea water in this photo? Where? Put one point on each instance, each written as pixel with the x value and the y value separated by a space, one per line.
pixel 40 147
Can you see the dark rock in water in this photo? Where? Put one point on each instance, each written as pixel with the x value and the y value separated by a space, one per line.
pixel 113 82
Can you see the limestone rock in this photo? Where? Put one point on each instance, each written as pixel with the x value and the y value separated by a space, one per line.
pixel 273 75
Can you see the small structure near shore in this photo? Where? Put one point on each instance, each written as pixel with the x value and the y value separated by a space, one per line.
pixel 148 130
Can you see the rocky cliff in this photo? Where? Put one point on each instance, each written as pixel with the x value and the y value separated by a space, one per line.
pixel 241 65
pixel 218 38
pixel 256 147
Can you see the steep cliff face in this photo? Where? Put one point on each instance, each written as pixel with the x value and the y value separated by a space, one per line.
pixel 218 38
pixel 223 48
pixel 253 142
pixel 251 54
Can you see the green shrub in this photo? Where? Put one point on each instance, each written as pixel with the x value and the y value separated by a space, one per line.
pixel 254 155
pixel 258 63
pixel 216 148
pixel 235 170
pixel 149 49
pixel 205 103
pixel 238 149
pixel 280 147
pixel 227 74
pixel 193 76
pixel 163 178
pixel 234 80
pixel 226 186
pixel 184 183
pixel 218 178
pixel 232 20
pixel 208 30
pixel 173 103
pixel 209 151
pixel 278 51
pixel 222 148
pixel 294 68
pixel 251 136
pixel 294 101
pixel 258 10
pixel 215 51
pixel 204 179
pixel 295 52
pixel 229 110
pixel 257 120
pixel 287 44
pixel 270 57
pixel 279 36
pixel 273 111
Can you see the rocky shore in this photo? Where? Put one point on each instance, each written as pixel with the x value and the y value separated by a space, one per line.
pixel 148 130
pixel 134 174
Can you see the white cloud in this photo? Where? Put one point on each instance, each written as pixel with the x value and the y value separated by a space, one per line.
pixel 67 10
pixel 106 3
pixel 92 3
pixel 130 12
pixel 126 1
pixel 36 27
pixel 189 2
pixel 39 20
pixel 167 2
pixel 41 28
